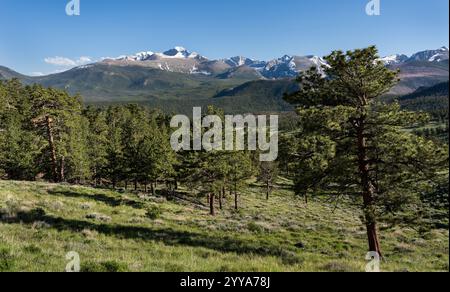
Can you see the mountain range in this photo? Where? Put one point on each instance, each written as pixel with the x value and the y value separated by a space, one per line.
pixel 180 60
pixel 178 78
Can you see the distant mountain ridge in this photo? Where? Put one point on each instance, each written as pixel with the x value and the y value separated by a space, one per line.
pixel 182 60
pixel 177 78
pixel 441 89
pixel 439 55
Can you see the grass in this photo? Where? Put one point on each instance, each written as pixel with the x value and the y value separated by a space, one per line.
pixel 115 231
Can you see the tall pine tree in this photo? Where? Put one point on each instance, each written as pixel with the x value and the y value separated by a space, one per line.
pixel 352 144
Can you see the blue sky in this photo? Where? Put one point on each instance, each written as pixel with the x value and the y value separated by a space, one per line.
pixel 36 30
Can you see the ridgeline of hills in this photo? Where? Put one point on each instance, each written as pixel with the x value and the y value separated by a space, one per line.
pixel 440 89
pixel 434 100
pixel 177 79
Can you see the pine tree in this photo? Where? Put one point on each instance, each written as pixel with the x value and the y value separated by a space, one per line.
pixel 241 169
pixel 19 145
pixel 352 144
pixel 115 169
pixel 268 173
pixel 97 142
pixel 57 117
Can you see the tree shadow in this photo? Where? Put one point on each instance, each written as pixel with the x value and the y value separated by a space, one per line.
pixel 167 236
pixel 113 202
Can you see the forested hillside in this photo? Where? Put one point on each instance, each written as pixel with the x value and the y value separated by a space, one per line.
pixel 344 148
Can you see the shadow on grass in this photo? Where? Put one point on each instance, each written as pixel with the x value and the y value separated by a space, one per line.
pixel 277 186
pixel 113 202
pixel 167 236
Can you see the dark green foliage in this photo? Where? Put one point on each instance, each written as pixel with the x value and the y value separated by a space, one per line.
pixel 351 144
pixel 153 212
pixel 433 100
pixel 6 259
pixel 41 131
pixel 47 133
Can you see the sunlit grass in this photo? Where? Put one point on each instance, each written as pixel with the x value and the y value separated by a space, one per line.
pixel 114 231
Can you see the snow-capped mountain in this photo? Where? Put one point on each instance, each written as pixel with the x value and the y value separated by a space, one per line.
pixel 181 60
pixel 394 59
pixel 283 67
pixel 178 74
pixel 239 61
pixel 438 55
pixel 175 53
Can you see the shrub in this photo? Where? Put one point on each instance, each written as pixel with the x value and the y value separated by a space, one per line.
pixel 291 258
pixel 10 209
pixel 255 228
pixel 153 212
pixel 6 259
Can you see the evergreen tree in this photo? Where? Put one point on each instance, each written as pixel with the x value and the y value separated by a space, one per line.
pixel 19 145
pixel 352 144
pixel 241 169
pixel 268 173
pixel 97 142
pixel 57 118
pixel 115 169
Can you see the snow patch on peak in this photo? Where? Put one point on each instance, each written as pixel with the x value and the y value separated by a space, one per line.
pixel 285 58
pixel 142 56
pixel 180 53
pixel 239 61
pixel 176 53
pixel 394 59
pixel 438 55
pixel 318 61
pixel 180 49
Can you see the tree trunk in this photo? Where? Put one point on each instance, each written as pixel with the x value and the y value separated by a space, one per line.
pixel 126 185
pixel 51 143
pixel 368 191
pixel 220 200
pixel 236 199
pixel 95 177
pixel 212 211
pixel 152 188
pixel 135 184
pixel 267 190
pixel 62 166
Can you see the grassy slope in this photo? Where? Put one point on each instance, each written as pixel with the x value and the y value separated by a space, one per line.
pixel 261 237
